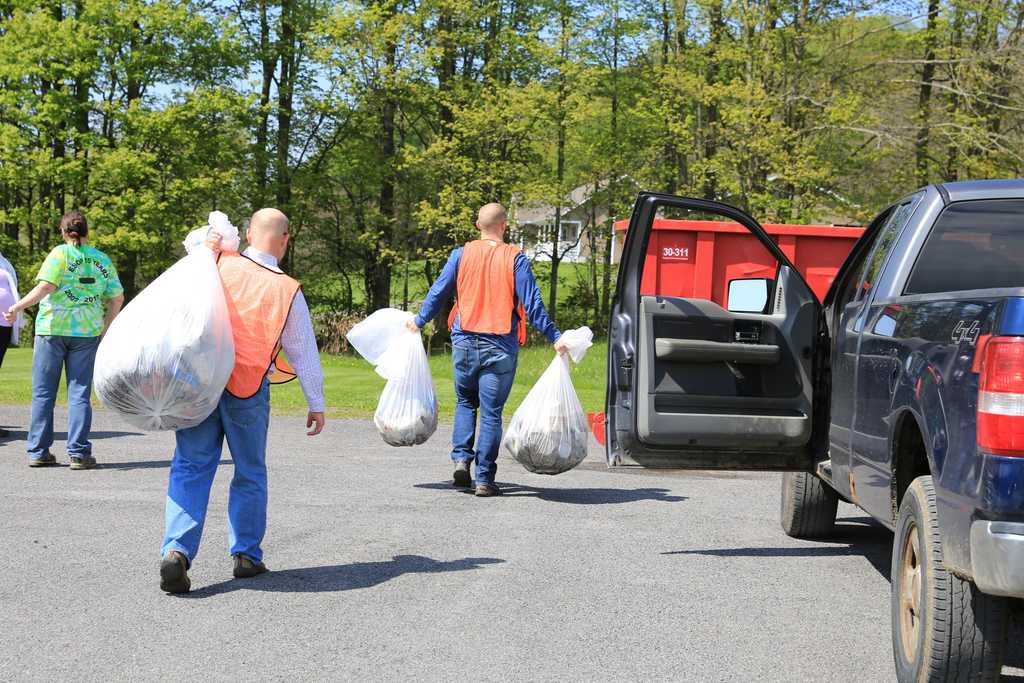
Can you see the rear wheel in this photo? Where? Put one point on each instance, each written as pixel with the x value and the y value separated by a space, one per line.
pixel 808 506
pixel 943 627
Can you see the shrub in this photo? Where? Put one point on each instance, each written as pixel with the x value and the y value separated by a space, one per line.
pixel 330 329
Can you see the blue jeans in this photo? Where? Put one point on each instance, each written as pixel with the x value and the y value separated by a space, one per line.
pixel 51 355
pixel 244 423
pixel 483 378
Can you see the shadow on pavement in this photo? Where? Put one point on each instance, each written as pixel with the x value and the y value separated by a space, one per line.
pixel 63 436
pixel 22 435
pixel 342 577
pixel 144 465
pixel 574 496
pixel 862 536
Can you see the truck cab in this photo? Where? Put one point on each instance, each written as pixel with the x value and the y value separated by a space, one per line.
pixel 902 392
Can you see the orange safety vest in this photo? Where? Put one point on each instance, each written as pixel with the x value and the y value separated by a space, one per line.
pixel 259 300
pixel 486 290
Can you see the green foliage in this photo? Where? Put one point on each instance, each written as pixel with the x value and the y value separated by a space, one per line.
pixel 380 126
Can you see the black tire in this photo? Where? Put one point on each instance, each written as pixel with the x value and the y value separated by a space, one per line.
pixel 943 627
pixel 808 506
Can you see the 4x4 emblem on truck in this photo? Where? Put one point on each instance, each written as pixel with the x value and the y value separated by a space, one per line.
pixel 966 332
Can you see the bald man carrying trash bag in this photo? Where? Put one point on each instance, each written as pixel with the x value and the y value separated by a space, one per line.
pixel 268 314
pixel 496 294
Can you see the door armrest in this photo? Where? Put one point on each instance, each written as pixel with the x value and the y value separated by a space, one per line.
pixel 700 351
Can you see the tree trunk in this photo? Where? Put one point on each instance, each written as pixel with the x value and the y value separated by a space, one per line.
pixel 925 96
pixel 126 267
pixel 606 273
pixel 133 86
pixel 553 288
pixel 268 60
pixel 81 118
pixel 592 246
pixel 951 170
pixel 711 114
pixel 445 71
pixel 556 255
pixel 669 152
pixel 380 268
pixel 285 92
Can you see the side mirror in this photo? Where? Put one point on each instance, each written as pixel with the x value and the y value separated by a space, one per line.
pixel 749 295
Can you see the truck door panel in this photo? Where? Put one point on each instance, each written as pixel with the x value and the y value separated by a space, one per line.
pixel 878 365
pixel 692 384
pixel 845 308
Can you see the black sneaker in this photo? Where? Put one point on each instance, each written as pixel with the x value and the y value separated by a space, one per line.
pixel 174 573
pixel 487 490
pixel 461 476
pixel 45 460
pixel 246 568
pixel 83 462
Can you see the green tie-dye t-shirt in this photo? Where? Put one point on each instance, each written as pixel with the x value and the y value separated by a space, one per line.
pixel 85 279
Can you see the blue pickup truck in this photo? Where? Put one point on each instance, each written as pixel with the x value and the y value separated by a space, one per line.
pixel 902 393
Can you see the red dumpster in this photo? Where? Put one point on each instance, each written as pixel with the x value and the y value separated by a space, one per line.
pixel 699 258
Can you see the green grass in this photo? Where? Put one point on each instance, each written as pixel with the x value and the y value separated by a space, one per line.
pixel 352 387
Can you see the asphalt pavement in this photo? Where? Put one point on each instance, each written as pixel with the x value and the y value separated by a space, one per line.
pixel 382 571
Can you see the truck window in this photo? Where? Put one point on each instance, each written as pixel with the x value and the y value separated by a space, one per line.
pixel 693 255
pixel 848 289
pixel 880 250
pixel 973 245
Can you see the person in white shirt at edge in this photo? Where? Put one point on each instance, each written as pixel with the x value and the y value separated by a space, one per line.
pixel 9 331
pixel 268 314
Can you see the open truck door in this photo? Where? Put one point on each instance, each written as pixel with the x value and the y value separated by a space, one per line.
pixel 725 381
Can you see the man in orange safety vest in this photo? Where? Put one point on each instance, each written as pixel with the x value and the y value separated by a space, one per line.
pixel 496 294
pixel 268 315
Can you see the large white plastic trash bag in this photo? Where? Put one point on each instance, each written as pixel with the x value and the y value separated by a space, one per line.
pixel 166 359
pixel 548 432
pixel 407 411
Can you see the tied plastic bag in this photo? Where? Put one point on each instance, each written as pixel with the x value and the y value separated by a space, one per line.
pixel 166 359
pixel 406 413
pixel 217 222
pixel 548 432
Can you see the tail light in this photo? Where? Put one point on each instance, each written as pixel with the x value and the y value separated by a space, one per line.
pixel 1001 397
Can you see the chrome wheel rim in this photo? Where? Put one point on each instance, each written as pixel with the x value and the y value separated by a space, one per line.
pixel 910 600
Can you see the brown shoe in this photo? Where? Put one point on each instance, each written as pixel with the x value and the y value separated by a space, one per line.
pixel 246 568
pixel 44 460
pixel 487 490
pixel 174 573
pixel 83 462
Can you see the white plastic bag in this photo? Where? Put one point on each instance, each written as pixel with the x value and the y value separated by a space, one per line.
pixel 166 359
pixel 406 414
pixel 217 222
pixel 372 337
pixel 548 432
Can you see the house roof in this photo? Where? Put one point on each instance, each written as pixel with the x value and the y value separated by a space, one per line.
pixel 539 212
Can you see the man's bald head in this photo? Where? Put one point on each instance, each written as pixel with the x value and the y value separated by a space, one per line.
pixel 492 219
pixel 268 232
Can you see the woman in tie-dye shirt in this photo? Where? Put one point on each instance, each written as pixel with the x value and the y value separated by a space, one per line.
pixel 78 293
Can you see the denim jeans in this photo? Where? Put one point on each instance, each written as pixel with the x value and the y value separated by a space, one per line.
pixel 244 423
pixel 76 356
pixel 483 378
